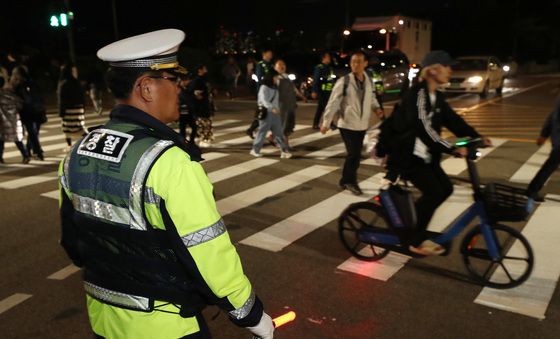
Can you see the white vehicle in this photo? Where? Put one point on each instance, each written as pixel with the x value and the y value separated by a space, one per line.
pixel 477 74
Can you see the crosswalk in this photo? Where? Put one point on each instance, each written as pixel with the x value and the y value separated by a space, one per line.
pixel 317 163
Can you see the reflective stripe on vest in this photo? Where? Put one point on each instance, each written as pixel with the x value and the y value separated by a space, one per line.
pixel 117 298
pixel 205 234
pixel 137 220
pixel 244 310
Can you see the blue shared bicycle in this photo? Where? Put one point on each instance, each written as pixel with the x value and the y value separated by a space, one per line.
pixel 496 255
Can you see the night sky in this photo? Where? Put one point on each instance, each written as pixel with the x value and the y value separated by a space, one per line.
pixel 462 27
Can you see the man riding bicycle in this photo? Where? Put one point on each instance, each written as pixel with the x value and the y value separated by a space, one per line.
pixel 417 123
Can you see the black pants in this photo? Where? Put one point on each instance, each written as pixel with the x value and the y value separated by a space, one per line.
pixel 204 332
pixel 353 140
pixel 254 126
pixel 33 143
pixel 435 186
pixel 184 121
pixel 20 147
pixel 322 101
pixel 550 165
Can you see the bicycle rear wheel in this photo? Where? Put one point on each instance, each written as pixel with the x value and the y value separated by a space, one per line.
pixel 515 262
pixel 359 217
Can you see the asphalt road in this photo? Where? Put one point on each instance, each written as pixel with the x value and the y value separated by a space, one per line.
pixel 311 272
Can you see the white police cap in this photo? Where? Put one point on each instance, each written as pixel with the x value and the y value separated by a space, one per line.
pixel 155 50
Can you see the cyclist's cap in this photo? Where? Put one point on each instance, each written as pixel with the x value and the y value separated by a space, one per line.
pixel 153 51
pixel 438 57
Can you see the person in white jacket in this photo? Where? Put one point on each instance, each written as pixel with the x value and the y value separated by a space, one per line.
pixel 351 103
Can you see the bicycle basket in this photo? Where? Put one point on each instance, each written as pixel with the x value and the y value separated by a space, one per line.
pixel 505 203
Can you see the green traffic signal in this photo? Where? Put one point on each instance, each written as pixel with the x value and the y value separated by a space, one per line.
pixel 61 19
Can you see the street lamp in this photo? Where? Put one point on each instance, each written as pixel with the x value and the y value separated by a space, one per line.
pixel 345 35
pixel 387 38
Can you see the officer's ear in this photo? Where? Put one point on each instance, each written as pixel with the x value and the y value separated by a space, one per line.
pixel 145 88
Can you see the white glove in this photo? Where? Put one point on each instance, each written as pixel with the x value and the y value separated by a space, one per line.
pixel 264 328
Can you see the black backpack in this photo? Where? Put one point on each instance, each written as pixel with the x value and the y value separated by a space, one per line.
pixel 387 135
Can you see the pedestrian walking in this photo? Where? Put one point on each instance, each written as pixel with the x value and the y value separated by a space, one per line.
pixel 33 112
pixel 287 99
pixel 231 73
pixel 138 212
pixel 263 68
pixel 71 105
pixel 201 106
pixel 11 129
pixel 269 99
pixel 323 82
pixel 550 129
pixel 354 97
pixel 186 117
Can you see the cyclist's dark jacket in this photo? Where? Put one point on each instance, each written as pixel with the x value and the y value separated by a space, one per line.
pixel 417 118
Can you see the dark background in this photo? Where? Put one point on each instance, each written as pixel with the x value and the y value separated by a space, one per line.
pixel 525 30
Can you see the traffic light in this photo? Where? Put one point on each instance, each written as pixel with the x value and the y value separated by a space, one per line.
pixel 61 19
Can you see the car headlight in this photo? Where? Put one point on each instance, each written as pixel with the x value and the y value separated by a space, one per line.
pixel 333 76
pixel 474 79
pixel 506 68
pixel 292 77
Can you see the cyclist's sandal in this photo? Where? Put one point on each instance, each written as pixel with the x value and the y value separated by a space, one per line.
pixel 428 247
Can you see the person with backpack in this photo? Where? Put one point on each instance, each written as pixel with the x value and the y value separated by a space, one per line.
pixel 353 96
pixel 411 138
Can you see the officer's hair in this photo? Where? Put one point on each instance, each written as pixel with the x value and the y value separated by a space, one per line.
pixel 120 81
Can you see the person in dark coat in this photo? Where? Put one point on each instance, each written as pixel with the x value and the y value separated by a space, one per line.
pixel 10 125
pixel 186 116
pixel 550 129
pixel 418 123
pixel 71 105
pixel 199 102
pixel 33 112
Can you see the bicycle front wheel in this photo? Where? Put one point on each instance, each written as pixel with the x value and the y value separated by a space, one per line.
pixel 358 217
pixel 514 264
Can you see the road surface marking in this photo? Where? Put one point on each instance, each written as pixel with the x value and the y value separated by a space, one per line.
pixel 532 297
pixel 526 173
pixel 213 156
pixel 6 168
pixel 254 195
pixel 52 194
pixel 280 235
pixel 28 181
pixel 230 130
pixel 247 140
pixel 224 122
pixel 64 273
pixel 327 152
pixel 385 268
pixel 16 153
pixel 314 136
pixel 454 166
pixel 244 167
pixel 12 301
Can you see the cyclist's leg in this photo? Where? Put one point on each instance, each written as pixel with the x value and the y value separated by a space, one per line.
pixel 435 186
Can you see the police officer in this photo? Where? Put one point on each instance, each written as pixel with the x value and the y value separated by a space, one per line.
pixel 323 83
pixel 138 214
pixel 264 67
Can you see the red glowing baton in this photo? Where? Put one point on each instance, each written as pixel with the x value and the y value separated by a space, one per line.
pixel 284 319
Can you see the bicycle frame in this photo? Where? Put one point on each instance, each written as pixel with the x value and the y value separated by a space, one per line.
pixel 475 210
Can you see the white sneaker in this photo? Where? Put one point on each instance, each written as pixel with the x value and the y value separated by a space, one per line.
pixel 285 155
pixel 204 144
pixel 427 247
pixel 255 154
